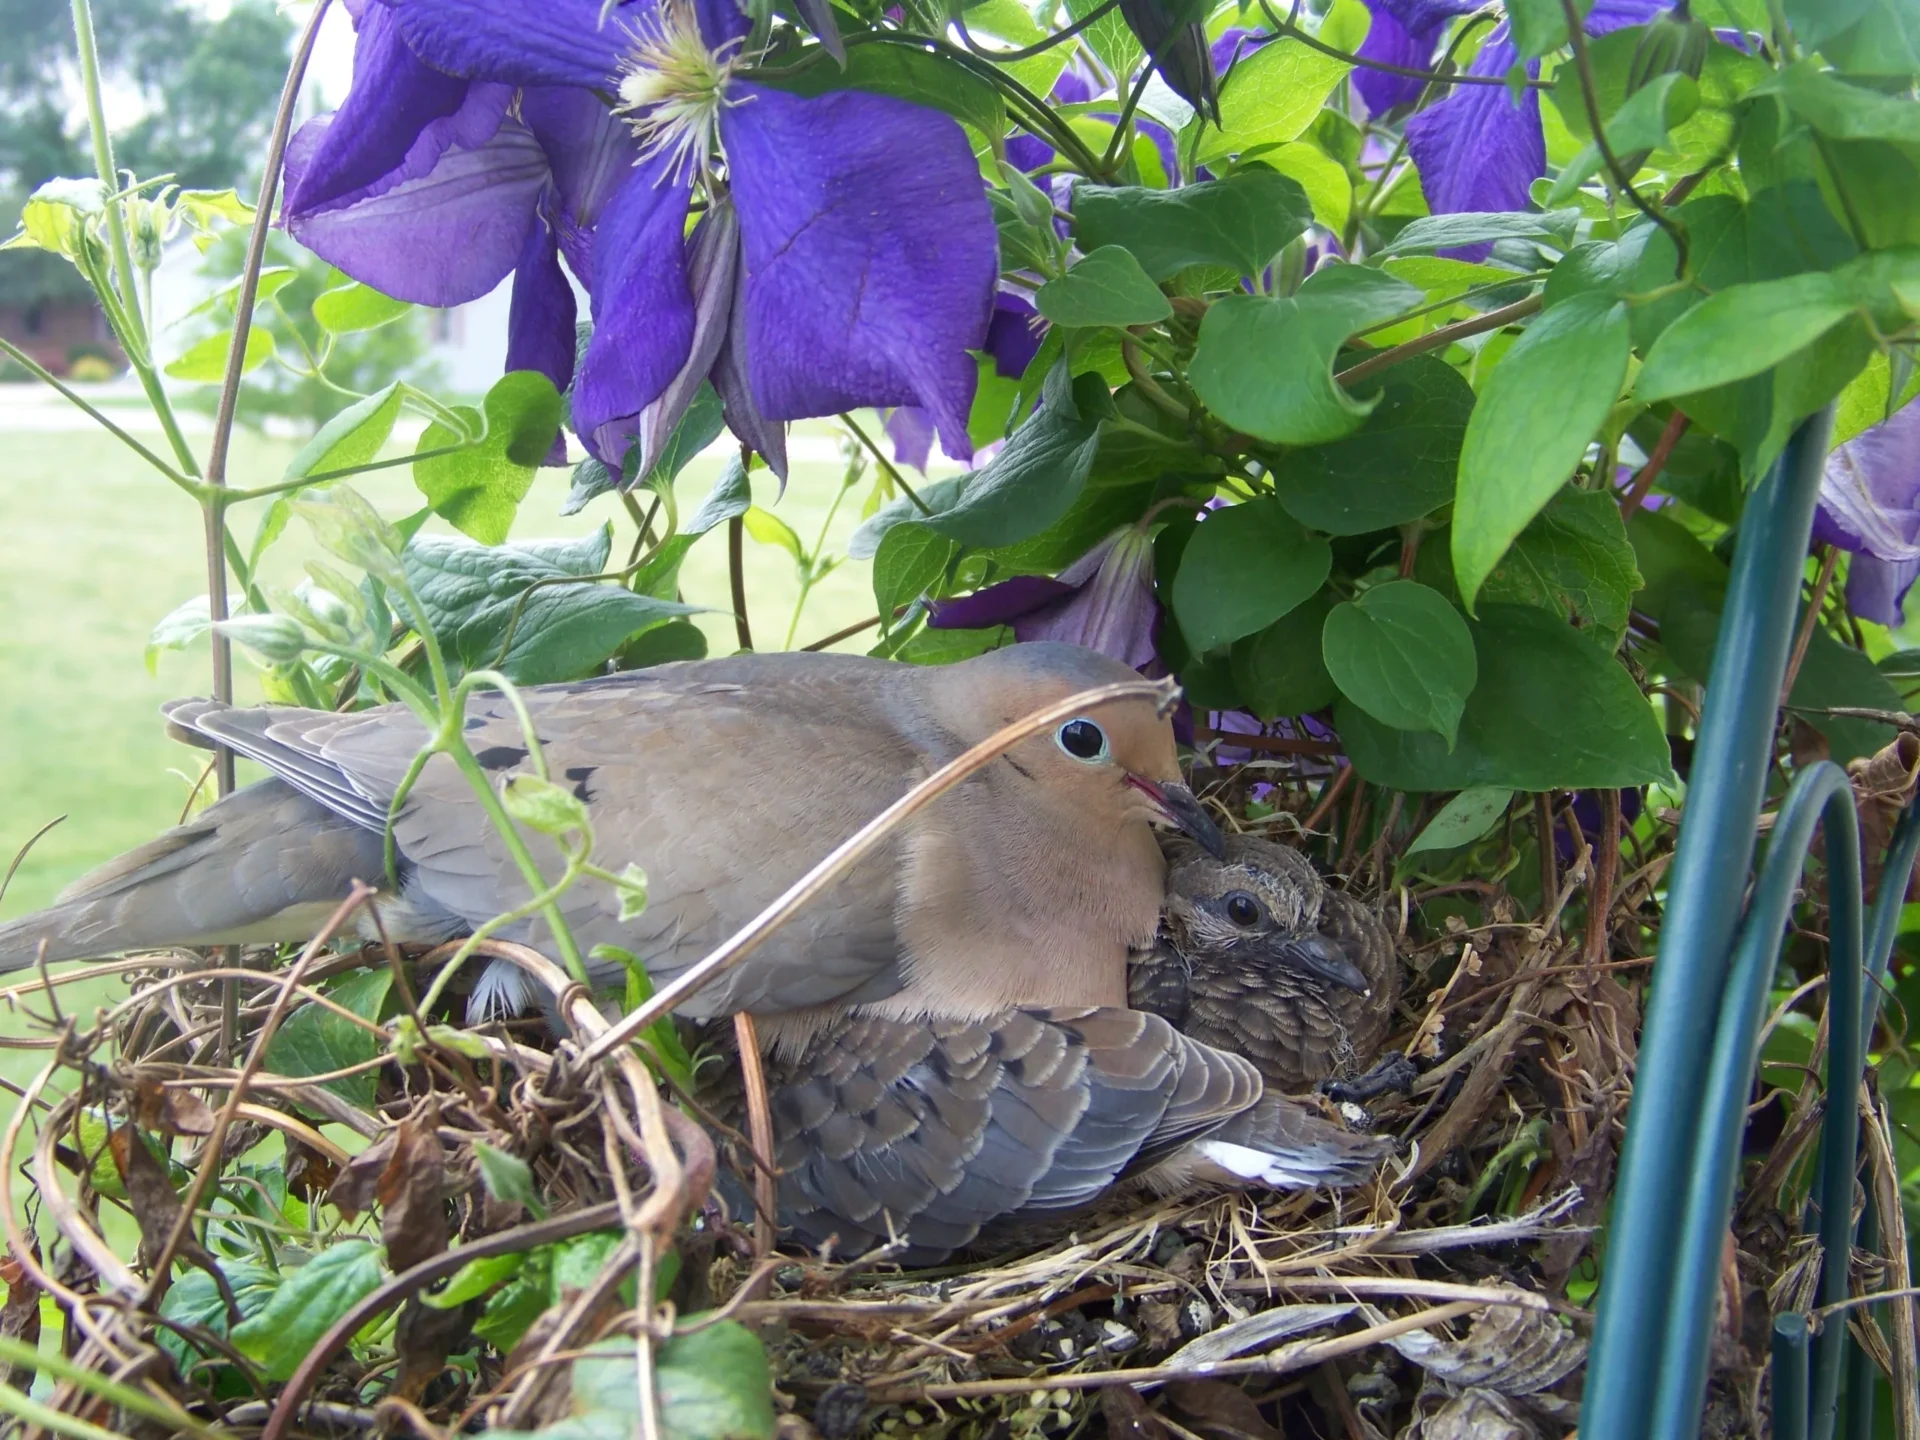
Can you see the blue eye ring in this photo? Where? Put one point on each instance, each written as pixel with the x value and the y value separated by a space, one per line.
pixel 1080 739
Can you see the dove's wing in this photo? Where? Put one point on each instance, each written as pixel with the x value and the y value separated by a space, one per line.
pixel 932 1130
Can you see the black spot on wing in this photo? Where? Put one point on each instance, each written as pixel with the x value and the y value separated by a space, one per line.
pixel 580 774
pixel 499 757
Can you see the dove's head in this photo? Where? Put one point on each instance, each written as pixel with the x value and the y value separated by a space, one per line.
pixel 1108 764
pixel 1259 906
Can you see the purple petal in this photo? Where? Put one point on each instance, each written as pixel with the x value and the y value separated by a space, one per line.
pixel 722 22
pixel 1877 589
pixel 393 99
pixel 523 42
pixel 731 382
pixel 1424 14
pixel 713 261
pixel 1477 150
pixel 1391 43
pixel 1610 15
pixel 1870 491
pixel 1013 335
pixel 1001 604
pixel 1026 153
pixel 642 308
pixel 590 150
pixel 911 430
pixel 445 237
pixel 1111 610
pixel 871 257
pixel 1229 46
pixel 540 323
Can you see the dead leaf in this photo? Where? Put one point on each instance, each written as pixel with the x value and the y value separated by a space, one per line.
pixel 1127 1415
pixel 156 1207
pixel 424 1337
pixel 170 1112
pixel 310 1175
pixel 20 1318
pixel 354 1192
pixel 412 1193
pixel 1220 1411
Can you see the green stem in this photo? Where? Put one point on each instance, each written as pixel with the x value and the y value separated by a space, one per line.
pixel 1313 42
pixel 39 372
pixel 123 271
pixel 1039 47
pixel 893 473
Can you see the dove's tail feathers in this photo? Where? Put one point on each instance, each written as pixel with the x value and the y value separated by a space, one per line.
pixel 1278 1144
pixel 265 865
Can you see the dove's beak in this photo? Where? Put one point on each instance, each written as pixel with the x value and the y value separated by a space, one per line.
pixel 1320 958
pixel 1180 808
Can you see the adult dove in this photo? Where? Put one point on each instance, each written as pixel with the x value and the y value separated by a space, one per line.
pixel 938 1132
pixel 1303 978
pixel 725 780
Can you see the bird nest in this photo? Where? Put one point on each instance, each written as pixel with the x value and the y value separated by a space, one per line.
pixel 227 1123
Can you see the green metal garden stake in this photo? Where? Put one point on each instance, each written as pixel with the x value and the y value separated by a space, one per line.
pixel 1706 891
pixel 1790 1387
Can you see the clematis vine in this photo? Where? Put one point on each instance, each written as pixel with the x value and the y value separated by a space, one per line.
pixel 1478 149
pixel 844 254
pixel 1104 601
pixel 1870 505
pixel 434 189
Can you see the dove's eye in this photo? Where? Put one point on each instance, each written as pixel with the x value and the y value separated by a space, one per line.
pixel 1083 740
pixel 1243 910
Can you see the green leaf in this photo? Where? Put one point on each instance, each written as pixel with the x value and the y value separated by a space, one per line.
pixel 474 1279
pixel 1265 366
pixel 1244 568
pixel 1035 480
pixel 179 628
pixel 1463 819
pixel 193 1300
pixel 663 645
pixel 767 528
pixel 354 307
pixel 1573 559
pixel 660 1040
pixel 314 1040
pixel 511 1310
pixel 1642 124
pixel 1328 186
pixel 712 1384
pixel 1282 670
pixel 507 1177
pixel 697 429
pixel 1521 729
pixel 350 439
pixel 1396 467
pixel 1109 37
pixel 578 1262
pixel 206 362
pixel 1270 97
pixel 1839 110
pixel 542 805
pixel 911 559
pixel 1541 406
pixel 907 73
pixel 1741 331
pixel 1403 654
pixel 480 598
pixel 1107 287
pixel 1540 25
pixel 308 1302
pixel 1241 222
pixel 477 489
pixel 1448 232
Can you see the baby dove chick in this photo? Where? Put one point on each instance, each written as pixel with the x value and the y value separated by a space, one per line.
pixel 1258 956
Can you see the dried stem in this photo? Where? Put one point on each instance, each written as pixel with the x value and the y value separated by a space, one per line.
pixel 753 1074
pixel 1643 482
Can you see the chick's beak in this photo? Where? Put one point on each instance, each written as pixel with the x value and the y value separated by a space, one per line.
pixel 1321 958
pixel 1182 809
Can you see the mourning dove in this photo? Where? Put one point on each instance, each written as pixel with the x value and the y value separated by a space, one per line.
pixel 1302 980
pixel 936 1131
pixel 725 781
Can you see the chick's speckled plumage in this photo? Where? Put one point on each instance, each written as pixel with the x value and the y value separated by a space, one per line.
pixel 1254 996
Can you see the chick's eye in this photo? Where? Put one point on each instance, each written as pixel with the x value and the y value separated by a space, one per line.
pixel 1243 910
pixel 1083 740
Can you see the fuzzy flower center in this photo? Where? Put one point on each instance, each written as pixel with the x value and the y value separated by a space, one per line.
pixel 672 88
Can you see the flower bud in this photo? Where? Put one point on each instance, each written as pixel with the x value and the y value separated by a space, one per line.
pixel 1177 43
pixel 1674 43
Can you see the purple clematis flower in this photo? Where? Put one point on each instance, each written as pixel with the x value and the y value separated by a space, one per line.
pixel 795 292
pixel 1477 150
pixel 1013 339
pixel 1870 505
pixel 434 189
pixel 1104 601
